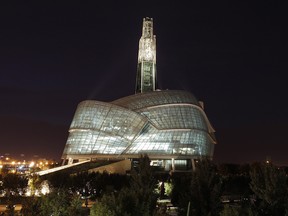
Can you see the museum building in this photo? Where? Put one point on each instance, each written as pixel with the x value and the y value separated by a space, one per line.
pixel 170 126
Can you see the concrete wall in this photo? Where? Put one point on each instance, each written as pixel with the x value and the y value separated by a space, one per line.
pixel 119 167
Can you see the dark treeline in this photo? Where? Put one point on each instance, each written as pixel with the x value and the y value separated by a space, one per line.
pixel 215 190
pixel 232 189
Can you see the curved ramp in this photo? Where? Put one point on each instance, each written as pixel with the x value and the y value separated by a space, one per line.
pixel 56 169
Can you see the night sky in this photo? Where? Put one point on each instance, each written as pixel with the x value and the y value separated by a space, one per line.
pixel 230 54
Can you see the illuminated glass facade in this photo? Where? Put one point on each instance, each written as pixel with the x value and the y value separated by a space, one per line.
pixel 166 125
pixel 162 124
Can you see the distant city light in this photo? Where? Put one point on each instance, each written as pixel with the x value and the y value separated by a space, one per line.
pixel 32 164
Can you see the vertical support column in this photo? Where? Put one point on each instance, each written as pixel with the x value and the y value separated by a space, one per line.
pixel 193 164
pixel 70 161
pixel 173 164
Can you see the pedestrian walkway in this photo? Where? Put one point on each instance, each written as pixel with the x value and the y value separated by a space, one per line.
pixel 168 207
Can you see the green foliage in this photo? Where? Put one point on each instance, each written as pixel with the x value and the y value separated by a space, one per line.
pixel 204 191
pixel 1 183
pixel 13 182
pixel 79 180
pixel 168 188
pixel 55 203
pixel 10 208
pixel 180 189
pixel 75 208
pixel 236 185
pixel 143 175
pixel 59 179
pixel 128 203
pixel 105 206
pixel 269 184
pixel 244 209
pixel 229 211
pixel 161 210
pixel 59 203
pixel 137 200
pixel 101 182
pixel 143 185
pixel 31 206
pixel 34 183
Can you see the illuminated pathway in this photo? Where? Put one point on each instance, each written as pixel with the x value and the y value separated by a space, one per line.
pixel 45 172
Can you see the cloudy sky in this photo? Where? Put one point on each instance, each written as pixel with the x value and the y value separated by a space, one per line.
pixel 230 54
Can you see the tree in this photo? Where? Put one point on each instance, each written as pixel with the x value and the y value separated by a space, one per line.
pixel 204 192
pixel 34 183
pixel 136 200
pixel 205 189
pixel 105 206
pixel 269 184
pixel 31 206
pixel 229 211
pixel 59 203
pixel 180 189
pixel 75 208
pixel 143 185
pixel 237 210
pixel 1 184
pixel 10 208
pixel 59 179
pixel 13 182
pixel 129 204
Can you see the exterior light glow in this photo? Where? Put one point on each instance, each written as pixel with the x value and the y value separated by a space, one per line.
pixel 45 188
pixel 32 164
pixel 28 193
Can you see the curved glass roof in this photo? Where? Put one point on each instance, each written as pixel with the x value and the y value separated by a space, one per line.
pixel 108 118
pixel 148 99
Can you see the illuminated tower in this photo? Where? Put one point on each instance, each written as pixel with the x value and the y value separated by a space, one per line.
pixel 146 68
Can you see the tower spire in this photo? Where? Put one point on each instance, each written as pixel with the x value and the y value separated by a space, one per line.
pixel 146 68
